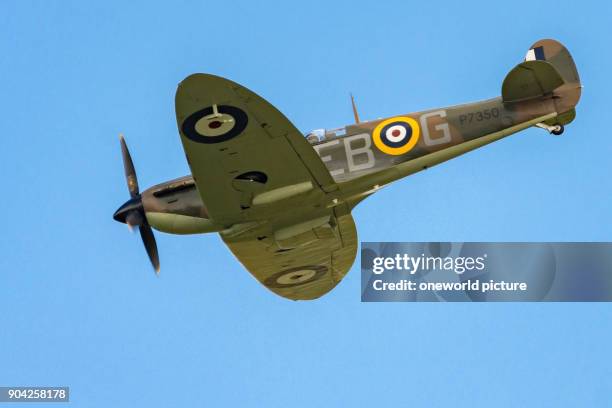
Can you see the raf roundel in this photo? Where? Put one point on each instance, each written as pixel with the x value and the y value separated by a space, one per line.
pixel 215 124
pixel 296 276
pixel 396 136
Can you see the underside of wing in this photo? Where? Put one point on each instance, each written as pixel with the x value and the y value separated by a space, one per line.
pixel 243 153
pixel 303 261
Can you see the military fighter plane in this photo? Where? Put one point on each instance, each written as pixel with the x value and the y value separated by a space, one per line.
pixel 282 202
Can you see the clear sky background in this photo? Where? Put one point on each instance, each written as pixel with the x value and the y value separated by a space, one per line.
pixel 80 305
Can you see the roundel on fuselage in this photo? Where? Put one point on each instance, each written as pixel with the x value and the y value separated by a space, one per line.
pixel 397 135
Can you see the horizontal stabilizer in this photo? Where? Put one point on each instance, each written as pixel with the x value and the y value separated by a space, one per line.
pixel 530 79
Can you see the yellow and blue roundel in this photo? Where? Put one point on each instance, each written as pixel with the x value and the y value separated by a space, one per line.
pixel 396 136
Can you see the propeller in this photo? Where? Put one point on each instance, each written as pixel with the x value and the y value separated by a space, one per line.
pixel 132 211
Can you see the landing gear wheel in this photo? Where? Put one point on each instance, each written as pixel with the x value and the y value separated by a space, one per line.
pixel 560 129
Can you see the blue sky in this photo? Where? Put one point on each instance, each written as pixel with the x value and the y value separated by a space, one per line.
pixel 80 305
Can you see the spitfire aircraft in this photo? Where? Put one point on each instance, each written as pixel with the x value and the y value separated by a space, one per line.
pixel 282 201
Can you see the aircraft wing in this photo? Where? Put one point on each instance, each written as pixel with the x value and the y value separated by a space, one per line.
pixel 300 262
pixel 240 147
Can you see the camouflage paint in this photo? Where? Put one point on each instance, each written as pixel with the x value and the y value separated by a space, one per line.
pixel 356 153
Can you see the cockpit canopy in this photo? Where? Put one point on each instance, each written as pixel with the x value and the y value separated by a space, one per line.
pixel 322 135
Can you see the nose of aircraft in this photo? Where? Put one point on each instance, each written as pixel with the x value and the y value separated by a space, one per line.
pixel 129 211
pixel 132 212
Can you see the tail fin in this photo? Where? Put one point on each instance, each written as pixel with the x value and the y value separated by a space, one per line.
pixel 548 72
pixel 558 56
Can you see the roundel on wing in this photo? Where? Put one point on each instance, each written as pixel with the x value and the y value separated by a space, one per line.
pixel 206 126
pixel 396 136
pixel 296 276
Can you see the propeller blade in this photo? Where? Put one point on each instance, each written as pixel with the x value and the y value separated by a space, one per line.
pixel 128 165
pixel 132 212
pixel 148 239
